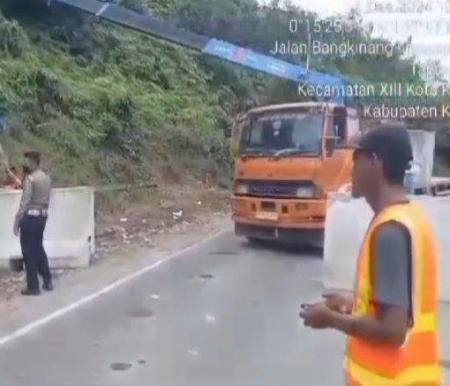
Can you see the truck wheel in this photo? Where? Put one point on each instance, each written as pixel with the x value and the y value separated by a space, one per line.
pixel 318 240
pixel 253 240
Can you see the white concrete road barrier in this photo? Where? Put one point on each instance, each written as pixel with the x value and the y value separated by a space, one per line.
pixel 69 237
pixel 423 144
pixel 346 224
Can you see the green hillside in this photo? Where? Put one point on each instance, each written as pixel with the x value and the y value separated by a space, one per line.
pixel 107 105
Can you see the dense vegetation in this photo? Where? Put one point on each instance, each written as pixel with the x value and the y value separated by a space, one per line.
pixel 108 105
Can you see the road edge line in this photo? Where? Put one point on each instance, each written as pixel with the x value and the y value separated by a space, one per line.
pixel 22 331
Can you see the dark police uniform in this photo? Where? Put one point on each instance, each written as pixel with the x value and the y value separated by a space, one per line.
pixel 32 219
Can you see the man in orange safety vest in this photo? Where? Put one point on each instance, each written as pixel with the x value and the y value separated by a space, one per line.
pixel 392 316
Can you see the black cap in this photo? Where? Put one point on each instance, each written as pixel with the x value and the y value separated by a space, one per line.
pixel 391 143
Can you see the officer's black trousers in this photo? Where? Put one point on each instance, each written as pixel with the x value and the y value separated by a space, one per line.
pixel 34 256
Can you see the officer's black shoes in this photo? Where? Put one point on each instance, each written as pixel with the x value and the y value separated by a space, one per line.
pixel 47 286
pixel 30 292
pixel 37 292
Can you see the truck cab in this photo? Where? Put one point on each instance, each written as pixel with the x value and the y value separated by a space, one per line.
pixel 287 158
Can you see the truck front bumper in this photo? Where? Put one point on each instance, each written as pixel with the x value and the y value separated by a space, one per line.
pixel 292 220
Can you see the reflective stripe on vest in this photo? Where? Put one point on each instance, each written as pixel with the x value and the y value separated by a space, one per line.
pixel 417 362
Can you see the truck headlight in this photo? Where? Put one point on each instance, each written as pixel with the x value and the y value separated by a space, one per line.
pixel 241 189
pixel 306 192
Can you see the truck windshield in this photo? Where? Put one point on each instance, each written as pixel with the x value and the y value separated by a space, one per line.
pixel 284 135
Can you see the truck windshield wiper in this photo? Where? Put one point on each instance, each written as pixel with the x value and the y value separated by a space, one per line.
pixel 291 151
pixel 286 152
pixel 302 150
pixel 254 152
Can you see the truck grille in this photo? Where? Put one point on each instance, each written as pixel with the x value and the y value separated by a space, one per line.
pixel 274 189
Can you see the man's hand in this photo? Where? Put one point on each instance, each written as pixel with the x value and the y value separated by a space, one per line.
pixel 317 316
pixel 339 302
pixel 16 229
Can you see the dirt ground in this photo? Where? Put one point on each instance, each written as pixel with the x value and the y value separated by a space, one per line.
pixel 159 217
pixel 170 209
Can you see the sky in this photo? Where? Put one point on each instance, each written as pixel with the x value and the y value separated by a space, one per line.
pixel 324 6
pixel 329 7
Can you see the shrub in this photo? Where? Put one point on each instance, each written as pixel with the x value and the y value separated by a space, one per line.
pixel 13 40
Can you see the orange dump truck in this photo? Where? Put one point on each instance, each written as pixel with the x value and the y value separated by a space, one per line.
pixel 287 157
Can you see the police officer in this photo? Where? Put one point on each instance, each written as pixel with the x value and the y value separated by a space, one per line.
pixel 30 222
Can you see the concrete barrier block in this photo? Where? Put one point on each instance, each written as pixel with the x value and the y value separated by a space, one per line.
pixel 346 224
pixel 69 237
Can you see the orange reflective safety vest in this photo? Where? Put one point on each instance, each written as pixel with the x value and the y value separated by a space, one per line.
pixel 417 362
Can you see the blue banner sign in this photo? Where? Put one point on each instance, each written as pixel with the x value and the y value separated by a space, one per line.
pixel 253 60
pixel 214 47
pixel 271 65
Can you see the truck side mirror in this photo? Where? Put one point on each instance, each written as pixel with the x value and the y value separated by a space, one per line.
pixel 330 145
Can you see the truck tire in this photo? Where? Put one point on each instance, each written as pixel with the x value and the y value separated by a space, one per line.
pixel 254 240
pixel 318 240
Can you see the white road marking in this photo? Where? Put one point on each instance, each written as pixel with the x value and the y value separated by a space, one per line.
pixel 57 314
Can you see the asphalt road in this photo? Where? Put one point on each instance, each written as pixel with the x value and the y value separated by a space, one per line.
pixel 224 313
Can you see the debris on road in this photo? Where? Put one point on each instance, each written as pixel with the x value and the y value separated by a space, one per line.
pixel 120 366
pixel 175 212
pixel 206 276
pixel 142 313
pixel 10 283
pixel 177 215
